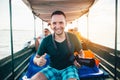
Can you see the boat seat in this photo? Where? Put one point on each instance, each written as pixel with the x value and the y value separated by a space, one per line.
pixel 89 72
pixel 33 68
pixel 83 72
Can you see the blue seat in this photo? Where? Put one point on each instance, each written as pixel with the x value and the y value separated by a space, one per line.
pixel 33 68
pixel 90 72
pixel 83 72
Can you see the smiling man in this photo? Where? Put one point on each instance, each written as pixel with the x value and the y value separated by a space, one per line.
pixel 60 46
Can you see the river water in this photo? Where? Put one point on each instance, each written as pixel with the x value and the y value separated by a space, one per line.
pixel 20 37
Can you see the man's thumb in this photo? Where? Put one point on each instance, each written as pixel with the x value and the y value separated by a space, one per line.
pixel 44 55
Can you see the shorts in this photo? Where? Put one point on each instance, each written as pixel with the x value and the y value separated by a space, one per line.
pixel 64 74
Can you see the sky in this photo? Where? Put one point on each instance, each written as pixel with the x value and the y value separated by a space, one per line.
pixel 21 15
pixel 101 18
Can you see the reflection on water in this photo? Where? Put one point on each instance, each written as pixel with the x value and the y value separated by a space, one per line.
pixel 20 37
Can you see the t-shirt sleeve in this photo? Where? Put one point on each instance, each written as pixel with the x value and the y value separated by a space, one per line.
pixel 77 44
pixel 42 48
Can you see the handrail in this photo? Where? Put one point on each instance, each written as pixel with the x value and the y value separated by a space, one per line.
pixel 25 67
pixel 108 62
pixel 19 67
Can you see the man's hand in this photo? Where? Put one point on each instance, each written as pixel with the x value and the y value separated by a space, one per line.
pixel 77 64
pixel 41 61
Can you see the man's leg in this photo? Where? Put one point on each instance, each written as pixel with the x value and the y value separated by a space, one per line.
pixel 39 76
pixel 72 79
pixel 70 73
pixel 47 73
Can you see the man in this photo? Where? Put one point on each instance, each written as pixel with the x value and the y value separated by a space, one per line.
pixel 33 68
pixel 46 32
pixel 60 46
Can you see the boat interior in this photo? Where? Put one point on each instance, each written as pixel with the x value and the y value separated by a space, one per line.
pixel 109 66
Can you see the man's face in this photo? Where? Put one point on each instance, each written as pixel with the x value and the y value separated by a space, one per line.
pixel 46 32
pixel 58 24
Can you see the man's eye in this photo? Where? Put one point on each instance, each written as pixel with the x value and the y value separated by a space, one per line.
pixel 60 22
pixel 54 23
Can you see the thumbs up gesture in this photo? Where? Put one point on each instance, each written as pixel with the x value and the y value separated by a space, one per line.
pixel 41 61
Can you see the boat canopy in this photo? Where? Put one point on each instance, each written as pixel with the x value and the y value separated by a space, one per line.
pixel 72 8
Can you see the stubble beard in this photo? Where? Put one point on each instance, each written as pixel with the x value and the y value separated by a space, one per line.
pixel 59 32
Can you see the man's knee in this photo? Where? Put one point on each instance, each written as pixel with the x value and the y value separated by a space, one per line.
pixel 39 76
pixel 72 79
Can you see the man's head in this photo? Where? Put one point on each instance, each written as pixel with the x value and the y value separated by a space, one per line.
pixel 58 13
pixel 58 22
pixel 46 32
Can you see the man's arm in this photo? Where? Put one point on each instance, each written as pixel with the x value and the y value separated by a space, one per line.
pixel 80 55
pixel 36 44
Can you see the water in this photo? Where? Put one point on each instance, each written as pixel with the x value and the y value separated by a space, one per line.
pixel 20 37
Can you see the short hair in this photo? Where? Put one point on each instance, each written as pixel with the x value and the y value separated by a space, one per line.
pixel 46 29
pixel 58 13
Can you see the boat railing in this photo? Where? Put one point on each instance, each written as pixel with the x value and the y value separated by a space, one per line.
pixel 21 61
pixel 107 58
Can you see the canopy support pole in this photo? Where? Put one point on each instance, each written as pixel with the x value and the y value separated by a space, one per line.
pixel 11 39
pixel 87 26
pixel 34 26
pixel 115 52
pixel 42 26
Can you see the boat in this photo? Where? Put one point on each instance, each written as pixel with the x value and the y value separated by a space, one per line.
pixel 15 65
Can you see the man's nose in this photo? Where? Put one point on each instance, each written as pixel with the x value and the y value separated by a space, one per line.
pixel 57 25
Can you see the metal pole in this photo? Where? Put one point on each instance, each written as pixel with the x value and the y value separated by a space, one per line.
pixel 42 26
pixel 87 26
pixel 11 38
pixel 115 77
pixel 34 27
